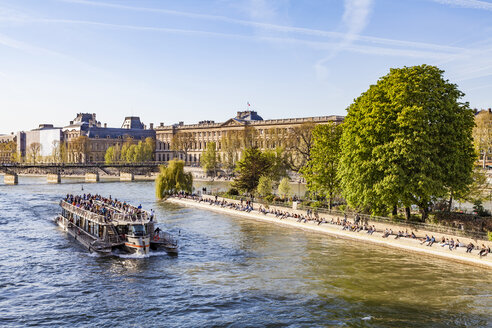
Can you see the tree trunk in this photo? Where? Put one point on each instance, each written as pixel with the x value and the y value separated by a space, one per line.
pixel 395 210
pixel 450 201
pixel 424 211
pixel 407 212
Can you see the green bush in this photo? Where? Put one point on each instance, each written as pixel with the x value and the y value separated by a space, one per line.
pixel 269 198
pixel 233 192
pixel 489 234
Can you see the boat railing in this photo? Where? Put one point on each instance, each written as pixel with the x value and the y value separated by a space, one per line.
pixel 118 214
pixel 82 212
pixel 162 236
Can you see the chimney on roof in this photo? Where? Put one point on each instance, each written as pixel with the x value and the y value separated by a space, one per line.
pixel 162 123
pixel 181 123
pixel 490 110
pixel 71 122
pixel 105 125
pixel 151 126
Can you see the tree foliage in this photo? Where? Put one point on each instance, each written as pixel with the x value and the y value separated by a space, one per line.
pixel 284 188
pixel 406 140
pixel 265 186
pixel 172 179
pixel 250 168
pixel 34 152
pixel 320 171
pixel 209 160
pixel 130 152
pixel 279 166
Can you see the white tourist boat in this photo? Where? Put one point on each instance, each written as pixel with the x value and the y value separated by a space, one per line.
pixel 105 226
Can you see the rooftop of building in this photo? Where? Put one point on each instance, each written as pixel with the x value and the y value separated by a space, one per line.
pixel 246 120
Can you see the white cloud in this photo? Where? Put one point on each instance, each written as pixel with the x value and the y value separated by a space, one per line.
pixel 473 4
pixel 355 18
pixel 354 11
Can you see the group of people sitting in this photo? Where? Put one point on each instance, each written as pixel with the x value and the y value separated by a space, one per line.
pixel 452 245
pixel 356 226
pixel 108 207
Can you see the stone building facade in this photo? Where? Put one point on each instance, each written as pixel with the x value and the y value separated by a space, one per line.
pixel 172 140
pixel 8 148
pixel 86 139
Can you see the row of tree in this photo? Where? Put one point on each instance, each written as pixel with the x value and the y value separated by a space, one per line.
pixel 406 141
pixel 130 152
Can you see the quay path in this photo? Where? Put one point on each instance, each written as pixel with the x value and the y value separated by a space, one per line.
pixel 407 244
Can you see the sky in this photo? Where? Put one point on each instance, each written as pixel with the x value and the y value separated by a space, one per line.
pixel 183 60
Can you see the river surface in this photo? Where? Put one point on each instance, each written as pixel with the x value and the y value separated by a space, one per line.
pixel 231 272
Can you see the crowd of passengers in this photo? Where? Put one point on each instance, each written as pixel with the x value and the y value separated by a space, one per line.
pixel 357 225
pixel 108 207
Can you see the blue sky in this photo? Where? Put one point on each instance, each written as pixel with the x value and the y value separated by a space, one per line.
pixel 170 61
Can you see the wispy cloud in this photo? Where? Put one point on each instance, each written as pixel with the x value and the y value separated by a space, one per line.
pixel 355 18
pixel 321 45
pixel 473 4
pixel 26 47
pixel 351 12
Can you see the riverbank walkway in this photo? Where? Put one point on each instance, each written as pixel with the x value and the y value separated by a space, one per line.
pixel 457 248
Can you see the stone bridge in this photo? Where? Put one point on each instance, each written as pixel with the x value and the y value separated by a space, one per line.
pixel 54 171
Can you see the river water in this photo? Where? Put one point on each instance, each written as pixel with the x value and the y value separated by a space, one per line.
pixel 231 272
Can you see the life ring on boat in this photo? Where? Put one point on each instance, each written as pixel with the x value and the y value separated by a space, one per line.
pixel 156 238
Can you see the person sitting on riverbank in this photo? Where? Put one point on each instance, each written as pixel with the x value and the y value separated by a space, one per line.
pixel 484 251
pixel 425 240
pixel 458 244
pixel 451 244
pixel 386 233
pixel 431 241
pixel 470 247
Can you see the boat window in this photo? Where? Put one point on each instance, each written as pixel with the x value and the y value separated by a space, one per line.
pixel 138 230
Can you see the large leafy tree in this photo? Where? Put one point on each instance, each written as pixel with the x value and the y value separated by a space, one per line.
pixel 321 169
pixel 406 140
pixel 250 168
pixel 172 179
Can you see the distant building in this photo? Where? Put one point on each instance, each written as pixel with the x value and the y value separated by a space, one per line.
pixel 8 148
pixel 86 140
pixel 41 144
pixel 191 140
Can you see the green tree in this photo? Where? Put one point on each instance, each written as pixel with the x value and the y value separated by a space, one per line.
pixel 265 186
pixel 278 164
pixel 209 160
pixel 172 179
pixel 284 188
pixel 406 140
pixel 321 169
pixel 250 168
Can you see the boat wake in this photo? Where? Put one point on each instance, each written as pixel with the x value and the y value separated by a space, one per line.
pixel 140 256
